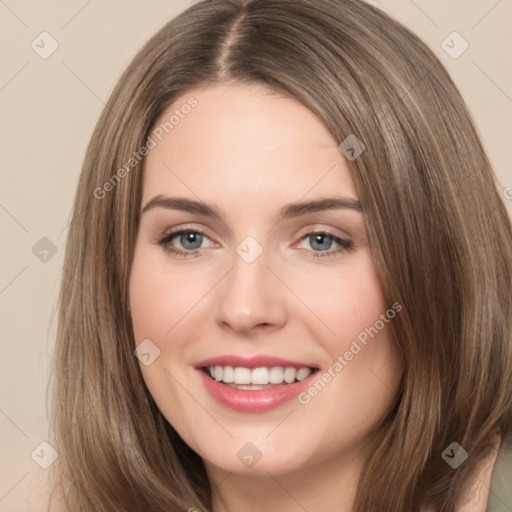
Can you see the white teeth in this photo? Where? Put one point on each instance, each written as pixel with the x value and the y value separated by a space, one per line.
pixel 258 376
pixel 228 374
pixel 289 374
pixel 276 375
pixel 303 373
pixel 242 375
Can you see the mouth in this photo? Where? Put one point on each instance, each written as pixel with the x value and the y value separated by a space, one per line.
pixel 256 384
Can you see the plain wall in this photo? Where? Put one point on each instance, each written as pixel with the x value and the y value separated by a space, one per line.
pixel 49 108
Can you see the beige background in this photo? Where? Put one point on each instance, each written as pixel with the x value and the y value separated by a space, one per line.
pixel 49 108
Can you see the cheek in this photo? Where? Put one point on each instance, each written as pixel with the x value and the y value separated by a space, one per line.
pixel 158 298
pixel 347 300
pixel 159 301
pixel 363 366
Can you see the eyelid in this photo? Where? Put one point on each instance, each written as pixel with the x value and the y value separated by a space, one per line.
pixel 185 227
pixel 334 232
pixel 204 231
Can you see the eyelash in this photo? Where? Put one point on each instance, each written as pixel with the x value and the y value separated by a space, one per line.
pixel 164 242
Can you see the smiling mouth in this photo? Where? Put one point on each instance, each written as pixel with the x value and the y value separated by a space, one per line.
pixel 257 378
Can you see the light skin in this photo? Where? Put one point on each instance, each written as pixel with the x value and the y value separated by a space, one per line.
pixel 249 152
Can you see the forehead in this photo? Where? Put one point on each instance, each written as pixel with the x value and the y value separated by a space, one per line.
pixel 244 141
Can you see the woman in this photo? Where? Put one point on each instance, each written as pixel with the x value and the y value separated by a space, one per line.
pixel 211 355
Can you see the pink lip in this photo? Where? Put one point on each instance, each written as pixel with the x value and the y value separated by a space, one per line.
pixel 255 401
pixel 252 401
pixel 251 362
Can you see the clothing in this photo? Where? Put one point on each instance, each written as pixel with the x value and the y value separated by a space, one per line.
pixel 500 498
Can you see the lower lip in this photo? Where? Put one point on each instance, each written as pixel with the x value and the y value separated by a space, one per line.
pixel 254 400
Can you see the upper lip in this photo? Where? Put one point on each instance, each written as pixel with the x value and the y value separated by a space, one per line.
pixel 252 362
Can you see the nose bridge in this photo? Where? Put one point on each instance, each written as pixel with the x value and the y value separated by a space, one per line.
pixel 250 295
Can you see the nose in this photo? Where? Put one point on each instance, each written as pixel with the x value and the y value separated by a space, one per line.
pixel 251 298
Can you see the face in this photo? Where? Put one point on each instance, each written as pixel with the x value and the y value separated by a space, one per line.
pixel 252 265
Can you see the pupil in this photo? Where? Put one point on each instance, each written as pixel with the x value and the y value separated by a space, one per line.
pixel 190 238
pixel 318 239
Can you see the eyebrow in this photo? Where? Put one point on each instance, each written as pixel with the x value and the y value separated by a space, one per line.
pixel 289 211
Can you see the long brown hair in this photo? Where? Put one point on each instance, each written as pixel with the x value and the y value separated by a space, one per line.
pixel 440 237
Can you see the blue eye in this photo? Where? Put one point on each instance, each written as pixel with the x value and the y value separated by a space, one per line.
pixel 191 242
pixel 323 240
pixel 319 241
pixel 189 239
